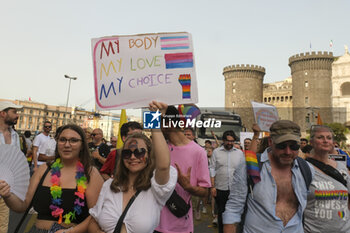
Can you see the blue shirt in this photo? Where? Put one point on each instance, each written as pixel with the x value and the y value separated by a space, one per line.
pixel 262 203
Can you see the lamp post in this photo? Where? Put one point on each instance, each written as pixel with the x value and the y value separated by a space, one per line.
pixel 70 79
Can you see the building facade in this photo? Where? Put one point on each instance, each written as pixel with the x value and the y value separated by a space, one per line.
pixel 34 114
pixel 341 88
pixel 319 85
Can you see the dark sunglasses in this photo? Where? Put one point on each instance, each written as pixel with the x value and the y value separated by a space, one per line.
pixel 283 145
pixel 139 153
pixel 48 127
pixel 93 134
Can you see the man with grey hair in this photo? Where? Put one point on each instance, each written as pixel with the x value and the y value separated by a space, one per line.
pixel 277 200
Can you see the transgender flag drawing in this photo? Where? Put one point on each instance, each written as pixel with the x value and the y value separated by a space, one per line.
pixel 174 42
pixel 178 60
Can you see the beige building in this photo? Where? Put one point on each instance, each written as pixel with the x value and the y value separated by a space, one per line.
pixel 34 114
pixel 319 84
pixel 341 88
pixel 279 94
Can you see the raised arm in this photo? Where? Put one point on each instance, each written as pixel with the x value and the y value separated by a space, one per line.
pixel 160 147
pixel 255 140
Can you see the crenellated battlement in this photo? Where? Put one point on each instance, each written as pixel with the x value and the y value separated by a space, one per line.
pixel 244 67
pixel 310 56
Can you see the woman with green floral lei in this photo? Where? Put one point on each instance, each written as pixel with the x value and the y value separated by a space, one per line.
pixel 69 189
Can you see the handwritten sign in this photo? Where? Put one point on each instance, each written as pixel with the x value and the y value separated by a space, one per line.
pixel 265 115
pixel 130 71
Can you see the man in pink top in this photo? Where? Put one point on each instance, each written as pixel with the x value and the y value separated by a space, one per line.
pixel 193 174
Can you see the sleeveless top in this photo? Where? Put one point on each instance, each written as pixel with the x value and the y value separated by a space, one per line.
pixel 43 200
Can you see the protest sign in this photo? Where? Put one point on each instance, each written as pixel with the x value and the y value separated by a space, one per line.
pixel 130 71
pixel 265 115
pixel 339 157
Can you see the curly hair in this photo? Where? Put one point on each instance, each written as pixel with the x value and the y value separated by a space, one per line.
pixel 143 180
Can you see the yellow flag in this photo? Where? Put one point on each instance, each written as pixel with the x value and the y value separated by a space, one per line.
pixel 123 119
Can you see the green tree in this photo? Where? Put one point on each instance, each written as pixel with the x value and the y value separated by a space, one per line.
pixel 339 131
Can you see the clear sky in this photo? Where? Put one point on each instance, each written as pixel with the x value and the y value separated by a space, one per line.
pixel 41 41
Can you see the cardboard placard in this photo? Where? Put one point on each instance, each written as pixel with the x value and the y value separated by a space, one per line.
pixel 130 71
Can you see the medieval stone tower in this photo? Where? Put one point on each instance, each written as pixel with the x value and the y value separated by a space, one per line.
pixel 312 87
pixel 243 83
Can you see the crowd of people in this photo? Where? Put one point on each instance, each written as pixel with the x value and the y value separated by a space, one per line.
pixel 81 183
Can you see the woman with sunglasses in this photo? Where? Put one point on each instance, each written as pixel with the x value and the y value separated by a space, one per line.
pixel 143 167
pixel 70 186
pixel 327 204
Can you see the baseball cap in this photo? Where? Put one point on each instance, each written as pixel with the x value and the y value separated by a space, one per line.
pixel 8 104
pixel 284 130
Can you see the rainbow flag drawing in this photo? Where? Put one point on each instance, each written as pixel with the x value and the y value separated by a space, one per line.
pixel 178 60
pixel 174 42
pixel 252 166
pixel 185 81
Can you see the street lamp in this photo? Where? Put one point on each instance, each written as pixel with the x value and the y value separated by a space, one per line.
pixel 70 79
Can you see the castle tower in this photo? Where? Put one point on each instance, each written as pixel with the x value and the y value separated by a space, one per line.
pixel 312 87
pixel 243 83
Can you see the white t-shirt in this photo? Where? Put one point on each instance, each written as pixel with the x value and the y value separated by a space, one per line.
pixel 48 147
pixel 29 143
pixel 144 213
pixel 39 141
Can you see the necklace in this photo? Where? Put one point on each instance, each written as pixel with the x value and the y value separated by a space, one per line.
pixel 56 192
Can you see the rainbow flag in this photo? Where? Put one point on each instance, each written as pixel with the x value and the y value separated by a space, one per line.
pixel 252 166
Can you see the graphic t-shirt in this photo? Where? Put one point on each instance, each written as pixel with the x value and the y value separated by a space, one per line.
pixel 194 156
pixel 327 204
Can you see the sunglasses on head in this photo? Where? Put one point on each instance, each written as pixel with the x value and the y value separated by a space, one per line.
pixel 283 145
pixel 138 153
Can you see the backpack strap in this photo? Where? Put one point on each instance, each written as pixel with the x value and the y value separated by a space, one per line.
pixel 328 170
pixel 305 171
